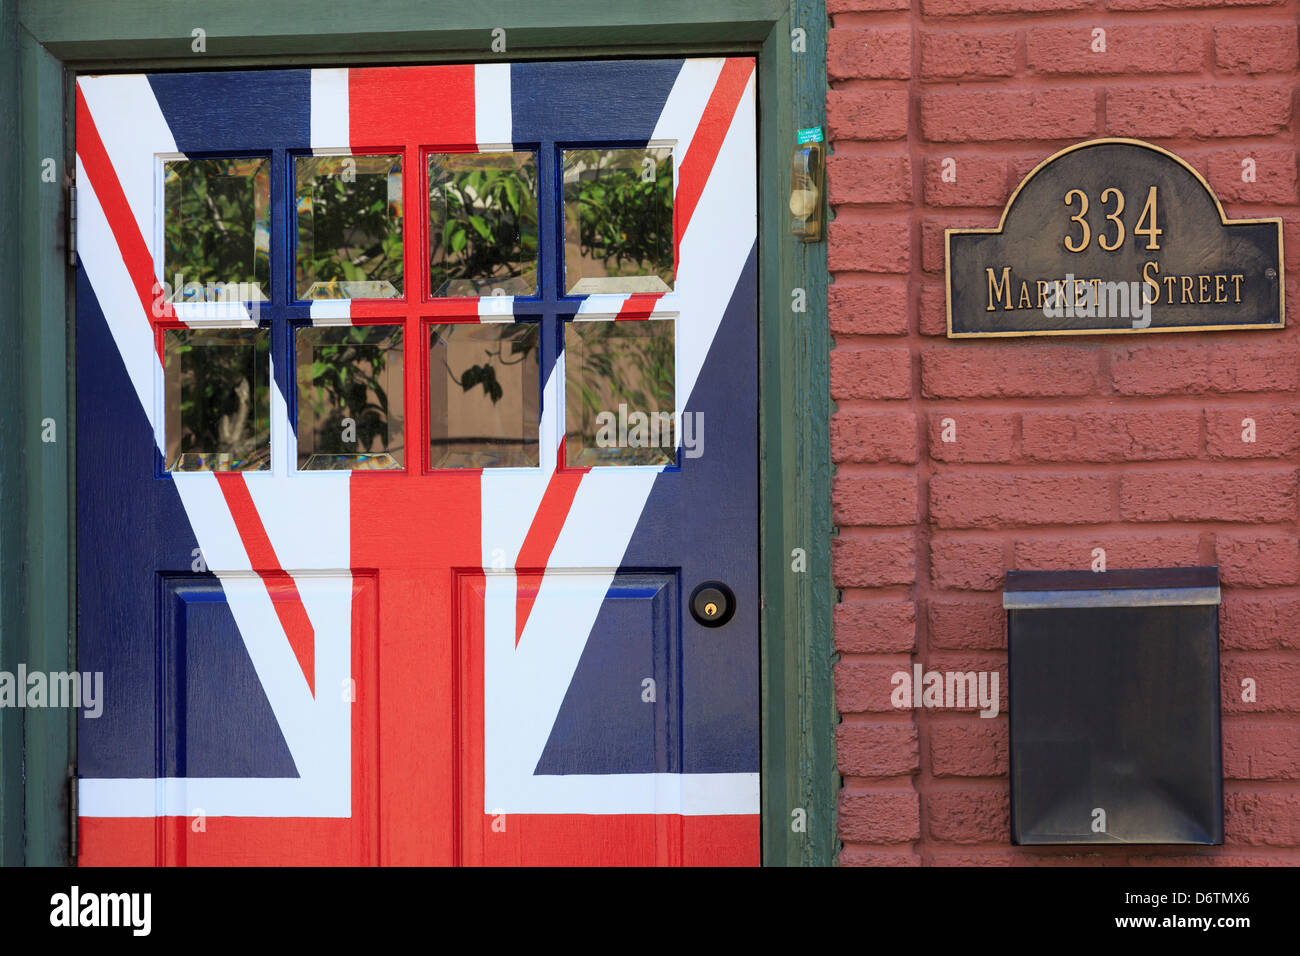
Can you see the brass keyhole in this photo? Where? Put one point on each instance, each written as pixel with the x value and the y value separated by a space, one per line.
pixel 711 609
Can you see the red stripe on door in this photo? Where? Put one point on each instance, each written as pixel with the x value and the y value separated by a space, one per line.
pixel 432 105
pixel 279 583
pixel 638 305
pixel 121 221
pixel 540 540
pixel 697 165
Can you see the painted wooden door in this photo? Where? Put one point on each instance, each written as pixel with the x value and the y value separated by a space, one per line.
pixel 413 405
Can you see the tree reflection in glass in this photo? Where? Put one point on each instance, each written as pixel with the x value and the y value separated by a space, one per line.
pixel 349 211
pixel 215 228
pixel 618 220
pixel 216 383
pixel 484 395
pixel 620 392
pixel 350 397
pixel 482 224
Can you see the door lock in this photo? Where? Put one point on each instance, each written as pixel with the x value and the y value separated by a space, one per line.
pixel 712 604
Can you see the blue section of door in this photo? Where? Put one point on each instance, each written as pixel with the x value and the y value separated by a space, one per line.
pixel 703 520
pixel 621 713
pixel 130 527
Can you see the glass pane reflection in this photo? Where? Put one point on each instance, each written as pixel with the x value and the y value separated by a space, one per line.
pixel 349 227
pixel 484 395
pixel 483 224
pixel 216 384
pixel 618 220
pixel 350 398
pixel 620 393
pixel 216 233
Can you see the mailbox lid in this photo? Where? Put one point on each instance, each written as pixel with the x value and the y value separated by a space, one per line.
pixel 1142 587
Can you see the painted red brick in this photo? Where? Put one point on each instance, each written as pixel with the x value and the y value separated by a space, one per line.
pixel 1255 750
pixel 867 308
pixel 864 6
pixel 882 816
pixel 869 179
pixel 1276 431
pixel 967 624
pixel 878 750
pixel 869 53
pixel 865 246
pixel 968 53
pixel 870 436
pixel 934 311
pixel 871 373
pixel 1167 48
pixel 1251 559
pixel 955 370
pixel 961 436
pixel 1243 366
pixel 865 686
pixel 968 816
pixel 1277 685
pixel 870 500
pixel 988 115
pixel 873 561
pixel 1274 172
pixel 966 563
pixel 992 501
pixel 1261 818
pixel 966 8
pixel 1259 622
pixel 1197 110
pixel 876 372
pixel 1185 4
pixel 1122 550
pixel 1255 47
pixel 866 114
pixel 857 855
pixel 969 747
pixel 1197 495
pixel 1130 435
pixel 974 181
pixel 875 627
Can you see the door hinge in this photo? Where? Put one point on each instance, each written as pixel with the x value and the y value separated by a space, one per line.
pixel 72 813
pixel 72 224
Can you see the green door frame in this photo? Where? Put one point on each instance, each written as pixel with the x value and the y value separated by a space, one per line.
pixel 45 43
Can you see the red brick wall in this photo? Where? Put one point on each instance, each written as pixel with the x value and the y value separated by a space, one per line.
pixel 1128 443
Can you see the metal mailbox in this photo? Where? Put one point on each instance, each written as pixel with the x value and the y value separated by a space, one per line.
pixel 1114 706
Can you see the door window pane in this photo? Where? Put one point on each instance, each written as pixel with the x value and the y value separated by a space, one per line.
pixel 482 224
pixel 618 220
pixel 349 227
pixel 216 386
pixel 216 233
pixel 350 398
pixel 619 387
pixel 484 395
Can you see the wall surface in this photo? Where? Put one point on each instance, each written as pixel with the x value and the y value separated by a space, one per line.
pixel 1130 443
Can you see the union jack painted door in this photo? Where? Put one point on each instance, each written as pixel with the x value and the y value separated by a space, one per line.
pixel 465 637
